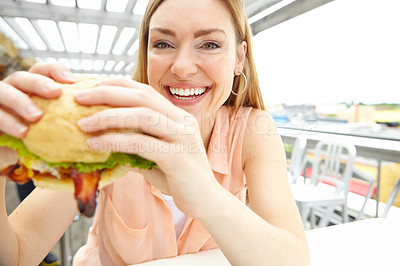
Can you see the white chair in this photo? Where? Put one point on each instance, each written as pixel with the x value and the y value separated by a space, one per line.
pixel 364 207
pixel 356 203
pixel 391 198
pixel 332 169
pixel 297 159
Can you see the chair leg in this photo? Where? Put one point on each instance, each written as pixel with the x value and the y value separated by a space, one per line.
pixel 326 217
pixel 345 216
pixel 313 222
pixel 66 248
pixel 391 198
pixel 304 213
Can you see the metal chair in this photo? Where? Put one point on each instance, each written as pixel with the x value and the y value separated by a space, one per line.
pixel 297 159
pixel 391 198
pixel 332 169
pixel 66 243
pixel 357 203
pixel 74 238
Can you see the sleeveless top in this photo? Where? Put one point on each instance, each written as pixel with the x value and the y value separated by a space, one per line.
pixel 133 224
pixel 178 216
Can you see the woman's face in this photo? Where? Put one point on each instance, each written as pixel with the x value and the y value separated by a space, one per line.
pixel 193 54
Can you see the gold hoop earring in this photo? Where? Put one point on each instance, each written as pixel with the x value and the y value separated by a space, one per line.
pixel 245 85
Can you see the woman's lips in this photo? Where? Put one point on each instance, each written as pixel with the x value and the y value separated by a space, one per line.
pixel 186 96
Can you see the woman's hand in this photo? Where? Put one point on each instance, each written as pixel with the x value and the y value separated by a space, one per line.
pixel 170 137
pixel 16 107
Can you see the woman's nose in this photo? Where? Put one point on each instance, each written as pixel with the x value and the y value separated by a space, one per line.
pixel 184 64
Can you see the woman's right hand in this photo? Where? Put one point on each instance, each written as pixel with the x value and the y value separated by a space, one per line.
pixel 16 107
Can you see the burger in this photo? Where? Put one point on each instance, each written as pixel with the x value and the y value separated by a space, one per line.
pixel 54 153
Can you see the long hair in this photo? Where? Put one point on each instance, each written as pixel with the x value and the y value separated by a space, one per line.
pixel 252 96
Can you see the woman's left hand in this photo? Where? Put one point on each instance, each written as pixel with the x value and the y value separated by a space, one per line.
pixel 155 129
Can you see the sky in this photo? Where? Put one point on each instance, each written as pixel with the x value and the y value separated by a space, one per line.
pixel 344 51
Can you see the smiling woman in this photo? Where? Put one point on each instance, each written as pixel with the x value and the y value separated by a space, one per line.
pixel 195 108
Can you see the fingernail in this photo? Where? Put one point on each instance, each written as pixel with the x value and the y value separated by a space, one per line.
pixel 102 81
pixel 33 111
pixel 93 143
pixel 68 76
pixel 82 122
pixel 52 86
pixel 19 128
pixel 80 95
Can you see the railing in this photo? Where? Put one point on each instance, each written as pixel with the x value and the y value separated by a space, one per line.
pixel 380 148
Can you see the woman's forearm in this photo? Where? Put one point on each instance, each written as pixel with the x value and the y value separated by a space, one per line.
pixel 35 226
pixel 246 239
pixel 9 242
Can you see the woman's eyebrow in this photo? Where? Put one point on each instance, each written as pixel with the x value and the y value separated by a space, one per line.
pixel 204 32
pixel 163 31
pixel 199 33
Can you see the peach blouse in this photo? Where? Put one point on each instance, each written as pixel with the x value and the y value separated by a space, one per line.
pixel 133 224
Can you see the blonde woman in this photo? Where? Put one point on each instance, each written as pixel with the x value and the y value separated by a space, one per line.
pixel 195 94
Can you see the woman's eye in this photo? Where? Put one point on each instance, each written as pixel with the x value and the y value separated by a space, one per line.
pixel 210 45
pixel 161 45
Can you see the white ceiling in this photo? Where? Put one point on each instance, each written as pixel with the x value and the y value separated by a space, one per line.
pixel 100 36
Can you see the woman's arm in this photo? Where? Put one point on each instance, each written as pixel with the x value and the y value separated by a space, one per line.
pixel 30 232
pixel 35 226
pixel 271 232
pixel 9 241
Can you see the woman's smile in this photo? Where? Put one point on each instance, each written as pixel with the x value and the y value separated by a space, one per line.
pixel 184 94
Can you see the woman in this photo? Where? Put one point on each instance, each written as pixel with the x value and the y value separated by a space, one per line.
pixel 206 130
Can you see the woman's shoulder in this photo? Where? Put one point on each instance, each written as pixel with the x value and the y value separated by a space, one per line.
pixel 257 121
pixel 260 135
pixel 260 122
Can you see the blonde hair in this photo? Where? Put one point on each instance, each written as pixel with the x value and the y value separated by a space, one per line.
pixel 252 96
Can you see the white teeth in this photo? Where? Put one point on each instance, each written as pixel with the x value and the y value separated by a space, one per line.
pixel 187 92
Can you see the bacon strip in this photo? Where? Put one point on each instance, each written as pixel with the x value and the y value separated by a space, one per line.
pixel 86 190
pixel 17 173
pixel 85 184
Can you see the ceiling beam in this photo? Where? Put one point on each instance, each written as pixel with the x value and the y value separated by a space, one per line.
pixel 257 6
pixel 101 72
pixel 54 54
pixel 14 25
pixel 71 14
pixel 285 13
pixel 130 43
pixel 116 37
pixel 103 5
pixel 41 33
pixel 130 6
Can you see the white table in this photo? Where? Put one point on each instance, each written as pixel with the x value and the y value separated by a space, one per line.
pixel 212 257
pixel 372 242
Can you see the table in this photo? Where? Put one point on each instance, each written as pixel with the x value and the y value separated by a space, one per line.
pixel 212 257
pixel 349 244
pixel 368 242
pixel 380 149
